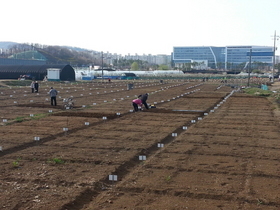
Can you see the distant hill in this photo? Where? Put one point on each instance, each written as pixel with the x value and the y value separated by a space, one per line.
pixel 53 54
pixel 6 45
pixel 78 49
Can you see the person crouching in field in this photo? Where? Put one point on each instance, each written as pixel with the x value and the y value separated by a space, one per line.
pixel 135 103
pixel 144 98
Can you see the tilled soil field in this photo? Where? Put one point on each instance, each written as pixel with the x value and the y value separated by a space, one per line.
pixel 204 146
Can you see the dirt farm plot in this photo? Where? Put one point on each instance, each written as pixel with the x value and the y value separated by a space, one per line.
pixel 204 146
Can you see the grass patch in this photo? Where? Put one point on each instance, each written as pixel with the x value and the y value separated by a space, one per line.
pixel 39 116
pixel 56 161
pixel 19 119
pixel 16 162
pixel 257 92
pixel 168 178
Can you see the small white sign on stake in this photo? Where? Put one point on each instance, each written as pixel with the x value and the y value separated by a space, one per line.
pixel 86 123
pixel 174 134
pixel 113 177
pixel 5 120
pixel 84 106
pixel 160 145
pixel 104 118
pixel 31 100
pixel 94 104
pixel 199 118
pixel 31 115
pixel 205 114
pixel 37 138
pixel 118 113
pixel 192 121
pixel 65 129
pixel 50 111
pixel 185 127
pixel 142 157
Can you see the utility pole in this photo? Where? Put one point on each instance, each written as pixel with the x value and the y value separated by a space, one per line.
pixel 249 70
pixel 274 50
pixel 102 65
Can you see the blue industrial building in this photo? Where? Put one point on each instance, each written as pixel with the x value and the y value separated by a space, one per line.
pixel 227 58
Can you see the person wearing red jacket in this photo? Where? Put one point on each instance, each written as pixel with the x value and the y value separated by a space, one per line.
pixel 135 103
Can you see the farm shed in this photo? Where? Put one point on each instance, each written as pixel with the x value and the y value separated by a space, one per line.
pixel 36 72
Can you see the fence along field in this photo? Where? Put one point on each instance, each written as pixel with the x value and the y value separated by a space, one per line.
pixel 205 146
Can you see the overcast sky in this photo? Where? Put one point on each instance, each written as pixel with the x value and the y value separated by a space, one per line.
pixel 142 27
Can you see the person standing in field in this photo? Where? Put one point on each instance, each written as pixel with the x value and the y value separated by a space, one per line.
pixel 135 103
pixel 144 99
pixel 53 94
pixel 32 86
pixel 36 86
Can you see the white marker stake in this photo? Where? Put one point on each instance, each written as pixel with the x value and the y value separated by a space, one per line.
pixel 37 138
pixel 160 145
pixel 113 177
pixel 142 157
